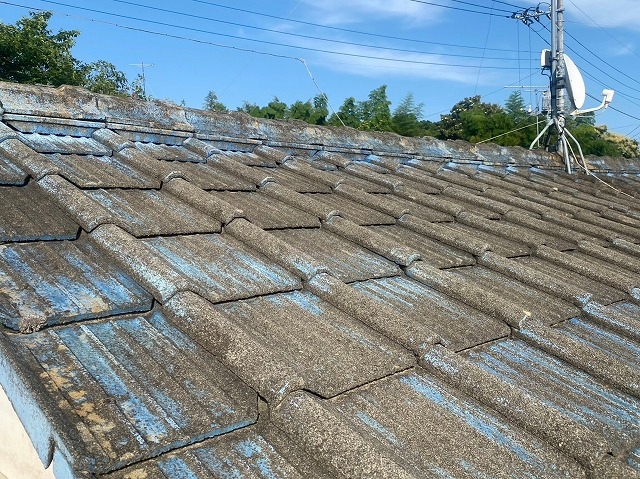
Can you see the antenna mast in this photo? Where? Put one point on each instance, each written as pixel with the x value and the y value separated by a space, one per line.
pixel 144 79
pixel 564 76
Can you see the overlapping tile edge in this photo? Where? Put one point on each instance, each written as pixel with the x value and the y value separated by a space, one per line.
pixel 356 453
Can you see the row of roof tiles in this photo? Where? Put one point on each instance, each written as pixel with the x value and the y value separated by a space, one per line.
pixel 325 307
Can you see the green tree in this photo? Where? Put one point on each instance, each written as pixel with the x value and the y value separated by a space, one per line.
pixel 516 108
pixel 473 120
pixel 275 109
pixel 138 88
pixel 251 108
pixel 103 77
pixel 406 117
pixel 478 124
pixel 31 53
pixel 320 109
pixel 212 103
pixel 376 111
pixel 300 111
pixel 349 113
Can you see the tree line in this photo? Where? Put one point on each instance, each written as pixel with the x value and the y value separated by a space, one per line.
pixel 31 53
pixel 470 119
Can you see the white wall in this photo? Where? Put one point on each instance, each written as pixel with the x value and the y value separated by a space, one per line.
pixel 18 458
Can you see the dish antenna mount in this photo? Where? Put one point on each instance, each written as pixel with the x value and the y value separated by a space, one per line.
pixel 564 76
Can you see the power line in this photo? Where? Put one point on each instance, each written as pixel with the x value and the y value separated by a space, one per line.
pixel 311 49
pixel 603 29
pixel 461 9
pixel 347 30
pixel 309 37
pixel 599 58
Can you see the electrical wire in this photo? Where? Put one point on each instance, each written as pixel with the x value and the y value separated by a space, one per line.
pixel 507 133
pixel 604 29
pixel 298 35
pixel 461 9
pixel 347 30
pixel 486 42
pixel 235 37
pixel 599 58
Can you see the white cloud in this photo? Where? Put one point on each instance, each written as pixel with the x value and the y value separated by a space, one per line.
pixel 341 12
pixel 606 13
pixel 357 60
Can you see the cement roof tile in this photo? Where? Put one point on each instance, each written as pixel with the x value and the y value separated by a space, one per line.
pixel 250 452
pixel 345 260
pixel 268 212
pixel 27 215
pixel 296 182
pixel 64 144
pixel 619 373
pixel 58 282
pixel 130 386
pixel 267 306
pixel 10 173
pixel 460 326
pixel 587 401
pixel 383 430
pixel 351 210
pixel 151 212
pixel 88 171
pixel 431 251
pixel 531 301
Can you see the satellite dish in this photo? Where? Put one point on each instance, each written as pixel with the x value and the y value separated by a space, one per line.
pixel 575 84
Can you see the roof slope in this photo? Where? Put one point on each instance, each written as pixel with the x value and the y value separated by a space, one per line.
pixel 189 294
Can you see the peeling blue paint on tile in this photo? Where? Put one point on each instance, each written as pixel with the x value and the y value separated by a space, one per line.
pixel 135 390
pixel 475 417
pixel 62 282
pixel 306 301
pixel 254 451
pixel 221 268
pixel 574 393
pixel 458 324
pixel 146 417
pixel 177 468
pixel 608 342
pixel 383 431
pixel 634 459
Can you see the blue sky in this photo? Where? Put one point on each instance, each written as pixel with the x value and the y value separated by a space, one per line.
pixel 250 50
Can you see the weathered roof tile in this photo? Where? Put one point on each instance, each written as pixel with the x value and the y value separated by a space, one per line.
pixel 575 394
pixel 152 213
pixel 101 172
pixel 250 452
pixel 28 215
pixel 64 144
pixel 618 372
pixel 345 260
pixel 356 212
pixel 379 306
pixel 459 325
pixel 279 343
pixel 268 212
pixel 367 433
pixel 58 282
pixel 137 387
pixel 436 253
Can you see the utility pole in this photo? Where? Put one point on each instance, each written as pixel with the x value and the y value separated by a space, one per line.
pixel 564 76
pixel 557 82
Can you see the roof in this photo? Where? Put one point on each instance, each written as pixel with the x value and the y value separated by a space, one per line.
pixel 196 294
